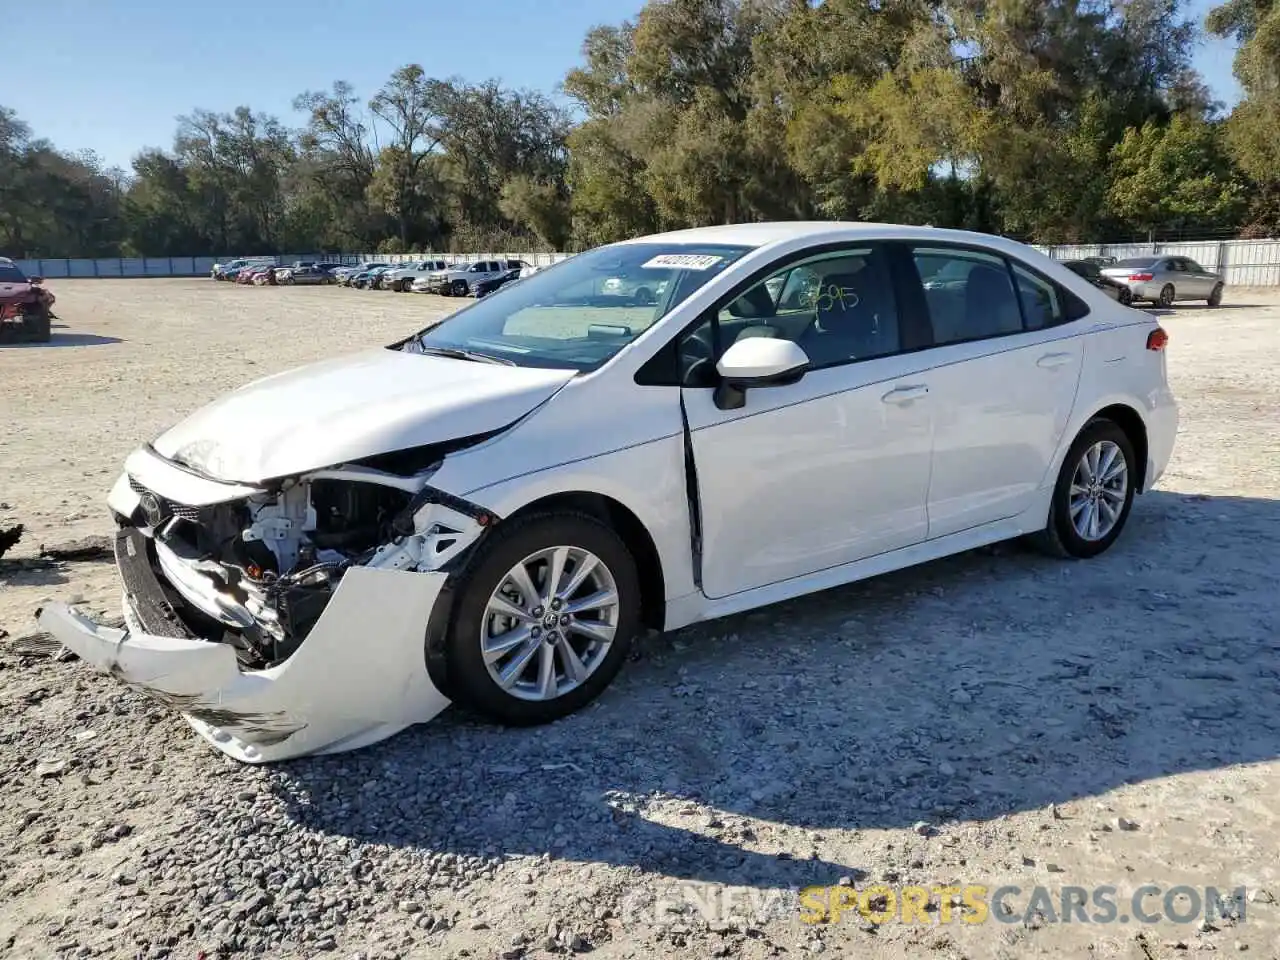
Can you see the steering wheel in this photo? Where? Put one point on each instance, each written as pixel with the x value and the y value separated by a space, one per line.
pixel 695 357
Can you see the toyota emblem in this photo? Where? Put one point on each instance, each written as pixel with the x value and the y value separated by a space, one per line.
pixel 150 504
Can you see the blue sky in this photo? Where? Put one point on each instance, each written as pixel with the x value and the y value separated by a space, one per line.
pixel 112 75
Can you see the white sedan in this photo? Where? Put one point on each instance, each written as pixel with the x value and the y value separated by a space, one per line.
pixel 490 510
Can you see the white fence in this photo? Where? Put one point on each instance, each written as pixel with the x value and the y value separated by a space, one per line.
pixel 1243 263
pixel 60 269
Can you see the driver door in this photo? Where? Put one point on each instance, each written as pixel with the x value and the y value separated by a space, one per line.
pixel 825 471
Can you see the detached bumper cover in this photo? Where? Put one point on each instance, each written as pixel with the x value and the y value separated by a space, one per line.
pixel 359 677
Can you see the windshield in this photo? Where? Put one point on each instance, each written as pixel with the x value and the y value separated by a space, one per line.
pixel 1138 262
pixel 11 274
pixel 577 314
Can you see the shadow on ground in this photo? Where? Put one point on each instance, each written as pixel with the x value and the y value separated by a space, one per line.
pixel 69 340
pixel 986 684
pixel 1178 308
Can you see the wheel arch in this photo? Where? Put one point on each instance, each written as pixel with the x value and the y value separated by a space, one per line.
pixel 1128 419
pixel 623 521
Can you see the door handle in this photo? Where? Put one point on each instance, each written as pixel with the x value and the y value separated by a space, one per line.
pixel 905 394
pixel 1054 360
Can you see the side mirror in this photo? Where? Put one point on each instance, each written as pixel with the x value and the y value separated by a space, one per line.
pixel 35 279
pixel 757 362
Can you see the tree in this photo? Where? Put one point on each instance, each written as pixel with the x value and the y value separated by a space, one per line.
pixel 1253 130
pixel 1175 177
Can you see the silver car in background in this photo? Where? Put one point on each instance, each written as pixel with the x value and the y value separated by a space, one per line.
pixel 1163 280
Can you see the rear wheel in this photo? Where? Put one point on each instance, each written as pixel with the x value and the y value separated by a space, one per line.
pixel 1215 298
pixel 1093 495
pixel 1126 297
pixel 1167 295
pixel 546 614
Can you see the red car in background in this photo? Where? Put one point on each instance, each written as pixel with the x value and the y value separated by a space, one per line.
pixel 259 276
pixel 26 306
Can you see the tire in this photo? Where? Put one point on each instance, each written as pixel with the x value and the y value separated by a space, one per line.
pixel 1060 536
pixel 1167 295
pixel 459 288
pixel 514 545
pixel 1215 297
pixel 1126 297
pixel 642 296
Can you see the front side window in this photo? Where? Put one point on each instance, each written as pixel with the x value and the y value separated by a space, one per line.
pixel 969 294
pixel 838 308
pixel 580 312
pixel 9 273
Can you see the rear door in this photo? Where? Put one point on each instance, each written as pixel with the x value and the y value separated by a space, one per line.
pixel 1005 368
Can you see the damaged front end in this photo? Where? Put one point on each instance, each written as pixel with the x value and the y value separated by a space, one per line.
pixel 284 618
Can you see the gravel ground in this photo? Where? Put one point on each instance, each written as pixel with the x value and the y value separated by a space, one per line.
pixel 995 718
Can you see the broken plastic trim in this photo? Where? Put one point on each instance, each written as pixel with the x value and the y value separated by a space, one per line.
pixel 403 522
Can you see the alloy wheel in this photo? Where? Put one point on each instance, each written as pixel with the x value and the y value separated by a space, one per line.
pixel 1098 491
pixel 549 623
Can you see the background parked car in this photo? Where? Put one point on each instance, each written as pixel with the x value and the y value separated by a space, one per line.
pixel 484 287
pixel 1092 272
pixel 459 280
pixel 25 306
pixel 220 270
pixel 401 279
pixel 366 278
pixel 232 273
pixel 305 274
pixel 1166 279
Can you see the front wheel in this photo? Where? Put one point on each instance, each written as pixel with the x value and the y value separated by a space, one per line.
pixel 547 611
pixel 459 288
pixel 1215 298
pixel 1093 495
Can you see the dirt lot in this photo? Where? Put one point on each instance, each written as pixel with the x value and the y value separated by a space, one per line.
pixel 993 719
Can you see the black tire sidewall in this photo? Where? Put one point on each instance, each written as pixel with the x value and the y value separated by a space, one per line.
pixel 1167 301
pixel 1060 513
pixel 1215 296
pixel 468 675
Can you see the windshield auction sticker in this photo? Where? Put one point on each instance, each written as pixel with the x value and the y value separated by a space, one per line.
pixel 681 261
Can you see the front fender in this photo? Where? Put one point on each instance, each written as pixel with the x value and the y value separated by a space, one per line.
pixel 647 479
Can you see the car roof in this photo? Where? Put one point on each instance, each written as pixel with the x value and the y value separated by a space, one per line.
pixel 765 234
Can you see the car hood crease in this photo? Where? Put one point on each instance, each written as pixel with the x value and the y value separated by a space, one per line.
pixel 335 411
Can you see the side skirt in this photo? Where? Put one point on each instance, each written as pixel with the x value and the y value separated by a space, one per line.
pixel 696 607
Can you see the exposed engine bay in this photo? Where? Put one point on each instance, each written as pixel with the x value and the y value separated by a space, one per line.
pixel 257 572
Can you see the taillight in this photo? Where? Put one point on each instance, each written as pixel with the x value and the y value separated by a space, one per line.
pixel 1157 339
pixel 1141 277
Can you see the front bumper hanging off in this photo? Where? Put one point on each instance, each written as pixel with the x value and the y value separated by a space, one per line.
pixel 360 675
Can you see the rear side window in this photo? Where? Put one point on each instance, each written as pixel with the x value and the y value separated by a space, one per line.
pixel 1041 304
pixel 973 295
pixel 970 295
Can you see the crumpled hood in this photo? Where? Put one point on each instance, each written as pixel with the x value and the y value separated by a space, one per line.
pixel 376 401
pixel 14 290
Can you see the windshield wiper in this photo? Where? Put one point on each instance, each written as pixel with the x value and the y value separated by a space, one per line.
pixel 456 354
